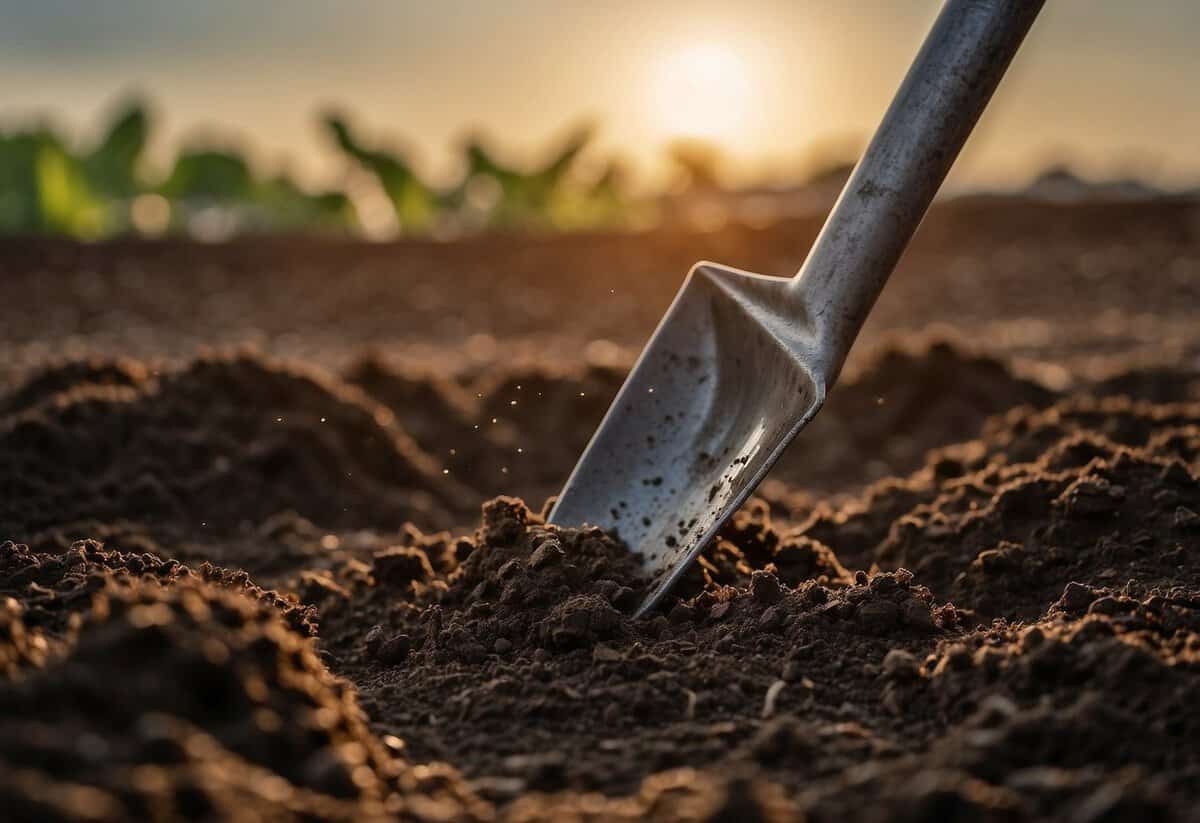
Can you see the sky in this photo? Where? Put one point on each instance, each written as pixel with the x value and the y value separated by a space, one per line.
pixel 1106 85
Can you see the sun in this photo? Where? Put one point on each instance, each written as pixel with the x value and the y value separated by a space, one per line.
pixel 701 90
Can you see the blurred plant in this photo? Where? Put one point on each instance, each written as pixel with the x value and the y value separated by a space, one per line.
pixel 415 203
pixel 508 197
pixel 699 164
pixel 43 188
pixel 489 193
pixel 46 188
pixel 49 186
pixel 111 168
pixel 605 202
pixel 293 209
pixel 213 193
pixel 104 189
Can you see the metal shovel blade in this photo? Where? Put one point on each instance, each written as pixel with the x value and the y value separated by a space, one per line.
pixel 742 362
pixel 719 391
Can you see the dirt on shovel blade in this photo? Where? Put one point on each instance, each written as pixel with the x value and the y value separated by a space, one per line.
pixel 248 575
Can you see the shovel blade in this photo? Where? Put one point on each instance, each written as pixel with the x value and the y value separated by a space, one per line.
pixel 725 383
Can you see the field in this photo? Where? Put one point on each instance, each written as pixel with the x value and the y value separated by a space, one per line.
pixel 249 575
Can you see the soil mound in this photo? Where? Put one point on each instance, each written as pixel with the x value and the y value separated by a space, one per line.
pixel 907 398
pixel 1098 491
pixel 178 698
pixel 73 374
pixel 519 429
pixel 523 429
pixel 57 589
pixel 223 442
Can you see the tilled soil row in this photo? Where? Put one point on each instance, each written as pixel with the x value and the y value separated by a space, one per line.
pixel 240 588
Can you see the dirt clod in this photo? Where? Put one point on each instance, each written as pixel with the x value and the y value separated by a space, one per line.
pixel 1076 597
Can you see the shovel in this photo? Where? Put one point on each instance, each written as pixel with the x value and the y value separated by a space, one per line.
pixel 742 362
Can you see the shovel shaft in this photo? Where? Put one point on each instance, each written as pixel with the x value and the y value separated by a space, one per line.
pixel 946 89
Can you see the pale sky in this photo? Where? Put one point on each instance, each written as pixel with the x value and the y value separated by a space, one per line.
pixel 1109 85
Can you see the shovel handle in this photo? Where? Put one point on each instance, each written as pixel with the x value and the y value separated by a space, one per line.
pixel 946 90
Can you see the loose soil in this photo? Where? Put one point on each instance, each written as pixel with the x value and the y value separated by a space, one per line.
pixel 247 574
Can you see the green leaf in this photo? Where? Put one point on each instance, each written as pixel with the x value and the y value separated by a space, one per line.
pixel 112 166
pixel 414 203
pixel 67 204
pixel 209 174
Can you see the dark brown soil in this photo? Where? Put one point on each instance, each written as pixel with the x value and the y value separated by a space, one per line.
pixel 255 584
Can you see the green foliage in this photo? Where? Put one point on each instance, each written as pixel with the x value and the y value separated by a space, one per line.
pixel 67 202
pixel 288 207
pixel 414 203
pixel 522 199
pixel 111 167
pixel 47 186
pixel 44 189
pixel 209 174
pixel 20 206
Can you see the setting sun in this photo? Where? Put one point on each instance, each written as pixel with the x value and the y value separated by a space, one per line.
pixel 701 90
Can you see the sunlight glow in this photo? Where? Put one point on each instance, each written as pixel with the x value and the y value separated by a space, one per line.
pixel 701 90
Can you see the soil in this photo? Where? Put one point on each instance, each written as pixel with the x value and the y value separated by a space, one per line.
pixel 248 576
